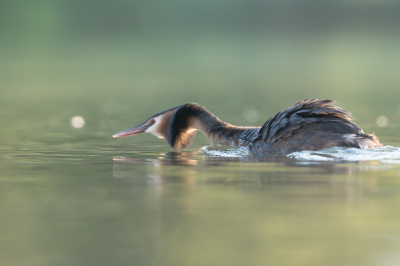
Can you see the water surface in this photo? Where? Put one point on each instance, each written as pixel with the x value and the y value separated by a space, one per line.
pixel 210 206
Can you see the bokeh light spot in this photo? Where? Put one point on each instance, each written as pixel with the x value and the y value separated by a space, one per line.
pixel 250 114
pixel 77 122
pixel 382 121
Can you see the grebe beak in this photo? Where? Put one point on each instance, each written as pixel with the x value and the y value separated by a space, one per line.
pixel 132 131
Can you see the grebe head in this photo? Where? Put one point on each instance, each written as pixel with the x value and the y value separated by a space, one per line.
pixel 157 125
pixel 177 125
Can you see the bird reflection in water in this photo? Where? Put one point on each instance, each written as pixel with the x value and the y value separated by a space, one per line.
pixel 249 169
pixel 278 176
pixel 126 167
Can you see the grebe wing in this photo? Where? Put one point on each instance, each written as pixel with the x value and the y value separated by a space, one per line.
pixel 308 115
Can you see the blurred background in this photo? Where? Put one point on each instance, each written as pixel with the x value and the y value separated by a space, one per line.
pixel 74 72
pixel 114 63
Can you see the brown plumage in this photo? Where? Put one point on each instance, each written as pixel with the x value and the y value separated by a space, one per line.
pixel 308 125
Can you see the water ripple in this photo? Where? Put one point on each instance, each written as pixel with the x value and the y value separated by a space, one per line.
pixel 220 151
pixel 386 154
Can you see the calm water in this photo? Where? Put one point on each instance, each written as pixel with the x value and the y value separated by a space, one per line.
pixel 146 205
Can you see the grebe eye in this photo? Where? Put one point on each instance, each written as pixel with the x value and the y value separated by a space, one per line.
pixel 152 121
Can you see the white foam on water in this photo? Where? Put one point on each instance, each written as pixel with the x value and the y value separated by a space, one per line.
pixel 219 151
pixel 386 154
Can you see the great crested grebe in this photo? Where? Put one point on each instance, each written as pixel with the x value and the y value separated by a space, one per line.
pixel 308 125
